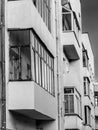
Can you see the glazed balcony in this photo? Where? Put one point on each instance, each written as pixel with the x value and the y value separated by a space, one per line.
pixel 31 86
pixel 70 35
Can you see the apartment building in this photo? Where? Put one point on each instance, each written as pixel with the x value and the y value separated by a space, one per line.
pixel 78 75
pixel 29 84
pixel 44 83
pixel 96 105
pixel 72 56
pixel 88 83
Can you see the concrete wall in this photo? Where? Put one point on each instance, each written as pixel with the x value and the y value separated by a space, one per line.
pixel 89 72
pixel 23 15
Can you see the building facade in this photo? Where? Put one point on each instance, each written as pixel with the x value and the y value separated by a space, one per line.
pixel 88 83
pixel 46 66
pixel 96 105
pixel 78 75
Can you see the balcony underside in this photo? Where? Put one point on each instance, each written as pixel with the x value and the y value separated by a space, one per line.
pixel 32 114
pixel 70 52
pixel 70 46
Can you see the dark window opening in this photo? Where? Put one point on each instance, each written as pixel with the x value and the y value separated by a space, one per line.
pixel 96 99
pixel 87 112
pixel 86 86
pixel 20 59
pixel 85 58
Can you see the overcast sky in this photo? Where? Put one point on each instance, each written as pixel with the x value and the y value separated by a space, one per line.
pixel 90 25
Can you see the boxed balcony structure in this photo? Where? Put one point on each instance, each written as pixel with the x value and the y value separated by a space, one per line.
pixel 31 76
pixel 73 111
pixel 70 34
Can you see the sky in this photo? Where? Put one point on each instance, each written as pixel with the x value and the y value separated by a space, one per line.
pixel 90 25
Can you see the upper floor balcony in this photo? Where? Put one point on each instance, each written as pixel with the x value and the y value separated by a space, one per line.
pixel 70 35
pixel 74 5
pixel 25 12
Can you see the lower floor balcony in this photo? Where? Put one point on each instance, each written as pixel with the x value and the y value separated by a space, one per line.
pixel 73 122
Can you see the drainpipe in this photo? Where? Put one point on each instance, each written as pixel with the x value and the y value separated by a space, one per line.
pixel 57 59
pixel 2 67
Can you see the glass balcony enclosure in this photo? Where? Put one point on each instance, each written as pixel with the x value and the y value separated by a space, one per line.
pixel 72 101
pixel 69 21
pixel 29 59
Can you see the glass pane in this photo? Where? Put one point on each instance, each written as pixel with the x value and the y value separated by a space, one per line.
pixel 66 21
pixel 14 64
pixel 71 103
pixel 66 104
pixel 20 57
pixel 25 63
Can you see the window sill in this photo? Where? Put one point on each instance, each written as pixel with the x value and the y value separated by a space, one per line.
pixel 87 96
pixel 87 125
pixel 73 114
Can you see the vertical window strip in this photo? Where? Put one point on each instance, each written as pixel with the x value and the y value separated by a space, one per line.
pixel 69 103
pixel 43 66
pixel 87 111
pixel 43 7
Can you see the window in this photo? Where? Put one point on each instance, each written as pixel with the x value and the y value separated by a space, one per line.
pixel 87 111
pixel 96 99
pixel 42 65
pixel 20 58
pixel 85 59
pixel 43 7
pixel 72 101
pixel 78 105
pixel 69 100
pixel 86 86
pixel 66 20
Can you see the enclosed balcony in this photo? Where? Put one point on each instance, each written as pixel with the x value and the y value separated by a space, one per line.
pixel 96 102
pixel 70 35
pixel 69 22
pixel 72 105
pixel 72 102
pixel 31 76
